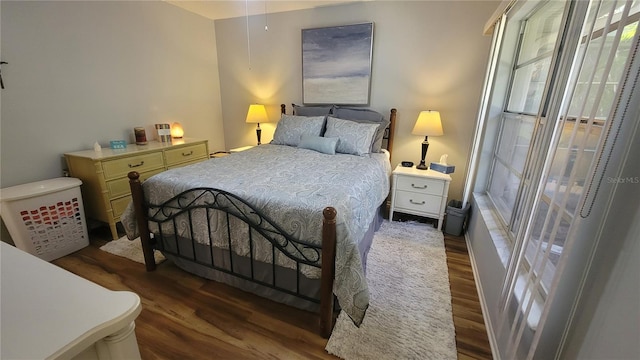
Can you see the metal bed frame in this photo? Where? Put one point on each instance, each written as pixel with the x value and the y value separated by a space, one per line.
pixel 208 200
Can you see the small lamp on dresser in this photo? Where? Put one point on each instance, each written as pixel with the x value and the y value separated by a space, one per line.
pixel 257 114
pixel 177 132
pixel 428 124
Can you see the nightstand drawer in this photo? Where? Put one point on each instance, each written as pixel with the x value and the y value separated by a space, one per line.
pixel 422 185
pixel 186 154
pixel 121 167
pixel 417 202
pixel 119 187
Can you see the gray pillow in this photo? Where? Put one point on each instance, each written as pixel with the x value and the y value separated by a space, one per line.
pixel 311 110
pixel 357 114
pixel 325 145
pixel 291 128
pixel 355 138
pixel 365 116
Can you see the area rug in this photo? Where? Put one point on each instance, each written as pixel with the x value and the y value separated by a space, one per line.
pixel 409 315
pixel 130 249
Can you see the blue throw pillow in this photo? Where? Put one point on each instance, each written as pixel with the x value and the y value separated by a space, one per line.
pixel 325 145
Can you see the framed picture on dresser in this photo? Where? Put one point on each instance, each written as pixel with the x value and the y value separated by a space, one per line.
pixel 336 64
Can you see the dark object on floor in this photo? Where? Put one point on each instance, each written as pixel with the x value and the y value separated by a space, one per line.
pixel 456 220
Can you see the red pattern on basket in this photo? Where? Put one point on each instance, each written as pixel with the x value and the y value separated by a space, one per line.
pixel 52 227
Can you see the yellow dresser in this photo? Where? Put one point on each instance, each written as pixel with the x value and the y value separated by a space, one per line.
pixel 105 186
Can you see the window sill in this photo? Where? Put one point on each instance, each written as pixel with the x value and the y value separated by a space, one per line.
pixel 494 226
pixel 533 315
pixel 504 248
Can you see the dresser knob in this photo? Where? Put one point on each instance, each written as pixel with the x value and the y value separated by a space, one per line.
pixel 418 187
pixel 415 202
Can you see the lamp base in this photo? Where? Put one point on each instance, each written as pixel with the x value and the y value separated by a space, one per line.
pixel 425 146
pixel 258 133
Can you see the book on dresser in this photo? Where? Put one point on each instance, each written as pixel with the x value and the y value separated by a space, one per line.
pixel 105 185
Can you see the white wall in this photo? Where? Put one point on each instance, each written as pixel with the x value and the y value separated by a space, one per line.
pixel 86 71
pixel 426 55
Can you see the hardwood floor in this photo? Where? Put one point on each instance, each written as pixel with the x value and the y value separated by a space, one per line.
pixel 471 335
pixel 186 317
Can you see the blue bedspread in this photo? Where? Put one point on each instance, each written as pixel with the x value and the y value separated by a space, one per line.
pixel 292 186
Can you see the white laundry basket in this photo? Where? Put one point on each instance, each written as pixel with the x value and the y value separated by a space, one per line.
pixel 45 218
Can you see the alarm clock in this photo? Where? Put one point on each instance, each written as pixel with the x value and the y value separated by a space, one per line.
pixel 407 163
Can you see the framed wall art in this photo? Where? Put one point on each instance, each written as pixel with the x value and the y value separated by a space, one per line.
pixel 336 64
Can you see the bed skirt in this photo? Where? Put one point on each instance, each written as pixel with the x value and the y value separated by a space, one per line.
pixel 285 277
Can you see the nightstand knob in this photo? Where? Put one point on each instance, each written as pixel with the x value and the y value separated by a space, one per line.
pixel 418 187
pixel 415 202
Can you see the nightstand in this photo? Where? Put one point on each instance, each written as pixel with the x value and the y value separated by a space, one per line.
pixel 241 149
pixel 419 192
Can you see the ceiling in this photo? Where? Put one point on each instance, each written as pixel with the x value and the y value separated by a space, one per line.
pixel 224 9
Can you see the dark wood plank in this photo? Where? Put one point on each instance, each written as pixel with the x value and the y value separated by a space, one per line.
pixel 184 316
pixel 471 334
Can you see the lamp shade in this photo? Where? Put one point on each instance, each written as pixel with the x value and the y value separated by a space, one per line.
pixel 428 124
pixel 257 114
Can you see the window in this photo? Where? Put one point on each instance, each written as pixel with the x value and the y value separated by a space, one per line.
pixel 538 34
pixel 592 96
pixel 538 39
pixel 581 131
pixel 562 78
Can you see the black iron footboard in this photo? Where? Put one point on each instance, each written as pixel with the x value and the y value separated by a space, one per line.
pixel 176 233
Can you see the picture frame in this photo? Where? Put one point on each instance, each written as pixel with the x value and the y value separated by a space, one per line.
pixel 336 64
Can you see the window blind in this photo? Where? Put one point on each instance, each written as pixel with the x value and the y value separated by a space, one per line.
pixel 583 133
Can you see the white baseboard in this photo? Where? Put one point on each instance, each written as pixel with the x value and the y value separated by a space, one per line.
pixel 493 341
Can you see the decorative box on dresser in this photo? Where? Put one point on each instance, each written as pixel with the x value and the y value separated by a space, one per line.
pixel 105 186
pixel 419 192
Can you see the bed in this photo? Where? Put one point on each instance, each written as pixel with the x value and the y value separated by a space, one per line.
pixel 267 219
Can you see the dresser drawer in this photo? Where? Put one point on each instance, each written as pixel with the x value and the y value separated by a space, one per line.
pixel 141 163
pixel 186 154
pixel 422 185
pixel 119 206
pixel 185 164
pixel 417 202
pixel 119 187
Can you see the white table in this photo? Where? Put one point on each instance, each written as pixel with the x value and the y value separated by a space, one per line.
pixel 50 313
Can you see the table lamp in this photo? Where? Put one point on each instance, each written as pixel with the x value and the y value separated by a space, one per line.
pixel 428 124
pixel 257 114
pixel 177 132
